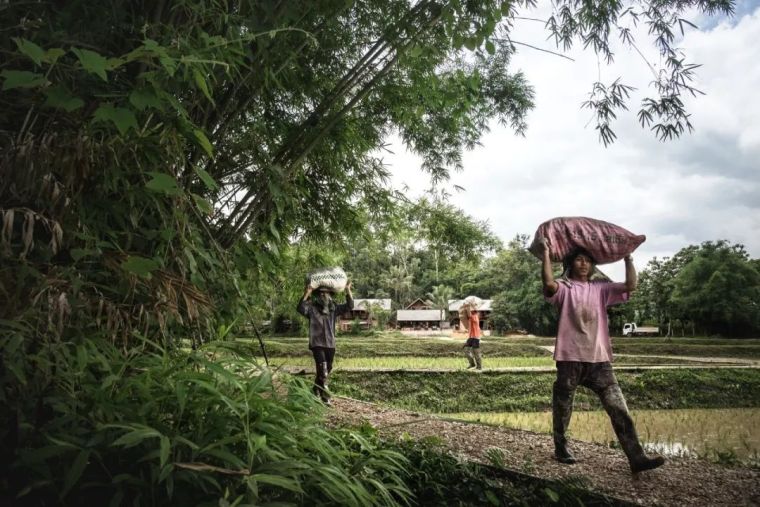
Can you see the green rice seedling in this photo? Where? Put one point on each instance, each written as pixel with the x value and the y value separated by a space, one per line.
pixel 418 363
pixel 726 436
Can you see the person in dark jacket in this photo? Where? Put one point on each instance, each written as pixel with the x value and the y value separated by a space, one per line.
pixel 322 312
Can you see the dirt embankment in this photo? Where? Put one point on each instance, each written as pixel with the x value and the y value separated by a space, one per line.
pixel 680 482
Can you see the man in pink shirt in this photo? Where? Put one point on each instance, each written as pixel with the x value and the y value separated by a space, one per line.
pixel 583 351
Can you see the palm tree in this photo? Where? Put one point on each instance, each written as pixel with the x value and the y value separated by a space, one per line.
pixel 440 298
pixel 398 280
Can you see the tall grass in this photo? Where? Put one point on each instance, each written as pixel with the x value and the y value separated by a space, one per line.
pixel 149 427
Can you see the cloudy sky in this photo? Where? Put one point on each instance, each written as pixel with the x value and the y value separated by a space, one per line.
pixel 704 186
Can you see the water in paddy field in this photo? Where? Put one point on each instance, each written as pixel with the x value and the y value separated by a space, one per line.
pixel 683 432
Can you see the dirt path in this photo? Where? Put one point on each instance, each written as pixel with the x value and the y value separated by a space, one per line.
pixel 680 482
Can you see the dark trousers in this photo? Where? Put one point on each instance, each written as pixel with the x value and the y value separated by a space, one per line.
pixel 600 378
pixel 323 362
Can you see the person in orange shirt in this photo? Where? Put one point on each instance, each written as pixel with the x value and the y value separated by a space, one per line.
pixel 472 346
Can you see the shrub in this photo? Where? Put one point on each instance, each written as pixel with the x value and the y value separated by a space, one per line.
pixel 89 424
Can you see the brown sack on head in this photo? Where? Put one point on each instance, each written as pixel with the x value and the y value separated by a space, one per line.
pixel 606 242
pixel 464 318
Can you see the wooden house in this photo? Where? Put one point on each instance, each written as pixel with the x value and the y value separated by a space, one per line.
pixel 364 312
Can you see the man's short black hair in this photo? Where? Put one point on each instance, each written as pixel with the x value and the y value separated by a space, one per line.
pixel 567 262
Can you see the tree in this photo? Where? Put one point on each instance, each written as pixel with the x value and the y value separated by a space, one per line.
pixel 398 280
pixel 713 286
pixel 652 300
pixel 519 302
pixel 440 298
pixel 719 288
pixel 451 235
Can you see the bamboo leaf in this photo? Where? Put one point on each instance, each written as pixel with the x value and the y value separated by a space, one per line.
pixel 181 392
pixel 13 325
pixel 202 85
pixel 274 230
pixel 279 481
pixel 75 471
pixel 203 204
pixel 30 49
pixel 135 437
pixel 92 62
pixel 203 141
pixel 206 178
pixel 226 456
pixel 22 79
pixel 163 183
pixel 165 450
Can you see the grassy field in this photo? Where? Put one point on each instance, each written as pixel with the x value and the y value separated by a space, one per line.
pixel 505 392
pixel 497 394
pixel 393 344
pixel 404 362
pixel 464 391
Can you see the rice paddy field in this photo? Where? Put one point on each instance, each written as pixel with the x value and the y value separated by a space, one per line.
pixel 697 397
pixel 698 432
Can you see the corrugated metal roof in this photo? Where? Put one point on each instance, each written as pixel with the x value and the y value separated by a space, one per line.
pixel 420 315
pixel 363 304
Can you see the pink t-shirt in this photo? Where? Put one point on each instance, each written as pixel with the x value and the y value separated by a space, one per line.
pixel 583 334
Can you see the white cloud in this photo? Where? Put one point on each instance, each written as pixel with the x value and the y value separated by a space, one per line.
pixel 704 186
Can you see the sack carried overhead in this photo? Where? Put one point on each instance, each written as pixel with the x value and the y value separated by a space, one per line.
pixel 469 304
pixel 605 242
pixel 332 279
pixel 464 318
pixel 473 302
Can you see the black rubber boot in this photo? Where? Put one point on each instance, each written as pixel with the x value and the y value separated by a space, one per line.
pixel 562 455
pixel 324 393
pixel 647 463
pixel 562 410
pixel 320 381
pixel 613 402
pixel 470 358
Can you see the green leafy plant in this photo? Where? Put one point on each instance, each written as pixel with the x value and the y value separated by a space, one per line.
pixel 153 427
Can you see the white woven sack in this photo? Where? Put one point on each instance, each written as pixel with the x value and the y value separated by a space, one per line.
pixel 333 279
pixel 473 302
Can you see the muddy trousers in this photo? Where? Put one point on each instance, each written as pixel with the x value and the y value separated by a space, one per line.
pixel 323 363
pixel 473 357
pixel 472 350
pixel 600 378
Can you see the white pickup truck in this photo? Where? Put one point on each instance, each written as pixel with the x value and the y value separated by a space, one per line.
pixel 631 329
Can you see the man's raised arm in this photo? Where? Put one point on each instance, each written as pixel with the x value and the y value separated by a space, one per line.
pixel 547 276
pixel 631 280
